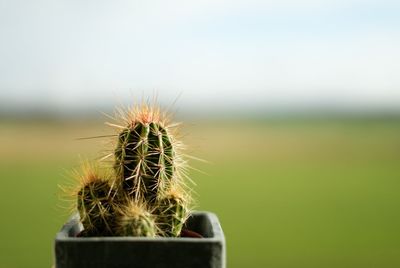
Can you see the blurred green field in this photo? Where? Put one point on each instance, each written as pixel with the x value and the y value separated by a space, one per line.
pixel 289 193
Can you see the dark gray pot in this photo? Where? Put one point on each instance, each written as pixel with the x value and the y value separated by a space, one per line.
pixel 142 252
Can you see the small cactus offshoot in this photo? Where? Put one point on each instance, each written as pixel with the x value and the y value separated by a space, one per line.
pixel 172 213
pixel 146 195
pixel 135 220
pixel 95 204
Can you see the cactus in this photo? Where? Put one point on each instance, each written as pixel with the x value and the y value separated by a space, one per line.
pixel 144 160
pixel 95 208
pixel 172 213
pixel 145 196
pixel 134 220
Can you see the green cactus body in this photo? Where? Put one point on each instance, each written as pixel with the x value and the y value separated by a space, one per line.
pixel 172 214
pixel 148 196
pixel 95 208
pixel 134 220
pixel 144 160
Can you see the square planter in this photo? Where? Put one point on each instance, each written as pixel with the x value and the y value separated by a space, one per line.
pixel 142 252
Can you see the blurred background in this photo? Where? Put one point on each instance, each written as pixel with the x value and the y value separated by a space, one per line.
pixel 295 105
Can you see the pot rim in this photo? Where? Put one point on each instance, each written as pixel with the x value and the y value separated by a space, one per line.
pixel 216 234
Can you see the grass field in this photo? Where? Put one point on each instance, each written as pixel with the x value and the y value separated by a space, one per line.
pixel 289 193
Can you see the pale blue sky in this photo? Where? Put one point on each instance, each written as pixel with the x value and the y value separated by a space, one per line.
pixel 238 54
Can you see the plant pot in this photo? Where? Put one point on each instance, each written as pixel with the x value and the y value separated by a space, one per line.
pixel 143 252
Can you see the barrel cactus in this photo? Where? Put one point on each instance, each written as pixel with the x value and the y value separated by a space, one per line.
pixel 146 195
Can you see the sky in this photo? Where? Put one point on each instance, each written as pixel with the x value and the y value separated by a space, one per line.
pixel 242 55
